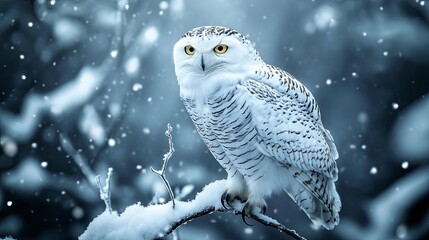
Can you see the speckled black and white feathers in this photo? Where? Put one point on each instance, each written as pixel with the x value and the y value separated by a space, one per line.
pixel 260 123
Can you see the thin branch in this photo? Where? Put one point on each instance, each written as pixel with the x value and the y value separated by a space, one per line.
pixel 167 156
pixel 105 191
pixel 267 221
pixel 261 218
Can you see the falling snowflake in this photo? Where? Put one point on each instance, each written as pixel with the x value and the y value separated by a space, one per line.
pixel 111 142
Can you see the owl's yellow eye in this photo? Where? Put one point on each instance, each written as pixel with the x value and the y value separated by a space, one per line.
pixel 189 50
pixel 221 48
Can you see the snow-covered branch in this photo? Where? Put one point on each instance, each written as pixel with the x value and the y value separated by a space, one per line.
pixel 105 191
pixel 159 220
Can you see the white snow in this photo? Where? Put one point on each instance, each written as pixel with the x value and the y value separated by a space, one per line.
pixel 132 65
pixel 248 230
pixel 139 222
pixel 137 87
pixel 149 36
pixel 328 81
pixel 163 5
pixel 111 142
pixel 114 53
pixel 325 17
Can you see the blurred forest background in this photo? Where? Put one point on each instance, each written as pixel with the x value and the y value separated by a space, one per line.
pixel 90 84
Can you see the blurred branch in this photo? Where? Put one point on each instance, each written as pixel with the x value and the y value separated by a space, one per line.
pixel 58 102
pixel 78 158
pixel 387 213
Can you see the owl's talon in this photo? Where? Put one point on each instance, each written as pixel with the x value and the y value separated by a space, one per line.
pixel 263 209
pixel 247 211
pixel 226 200
pixel 243 216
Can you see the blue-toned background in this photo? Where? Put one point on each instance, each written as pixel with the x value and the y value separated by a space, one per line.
pixel 89 84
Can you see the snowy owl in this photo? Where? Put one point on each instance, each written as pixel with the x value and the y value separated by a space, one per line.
pixel 261 124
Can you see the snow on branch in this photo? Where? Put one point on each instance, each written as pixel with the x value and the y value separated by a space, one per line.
pixel 160 220
pixel 105 191
pixel 167 156
pixel 157 221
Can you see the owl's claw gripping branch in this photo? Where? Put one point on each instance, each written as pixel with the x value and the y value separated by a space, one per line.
pixel 243 217
pixel 224 199
pixel 263 209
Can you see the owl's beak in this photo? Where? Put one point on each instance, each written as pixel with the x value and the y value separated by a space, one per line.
pixel 203 66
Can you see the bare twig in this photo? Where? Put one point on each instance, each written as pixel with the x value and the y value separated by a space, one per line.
pixel 105 191
pixel 167 156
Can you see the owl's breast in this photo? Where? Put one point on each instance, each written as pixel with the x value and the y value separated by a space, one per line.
pixel 225 123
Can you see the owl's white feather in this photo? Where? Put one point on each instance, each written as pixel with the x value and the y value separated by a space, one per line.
pixel 260 123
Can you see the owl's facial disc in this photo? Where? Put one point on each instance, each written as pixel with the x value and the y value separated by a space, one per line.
pixel 207 56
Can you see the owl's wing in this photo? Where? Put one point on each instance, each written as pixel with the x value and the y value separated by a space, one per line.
pixel 290 131
pixel 287 119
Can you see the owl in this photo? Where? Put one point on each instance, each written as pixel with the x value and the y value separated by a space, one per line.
pixel 261 124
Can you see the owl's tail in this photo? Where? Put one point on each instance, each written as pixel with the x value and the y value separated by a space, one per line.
pixel 316 195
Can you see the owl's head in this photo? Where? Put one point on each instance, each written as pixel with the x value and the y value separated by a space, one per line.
pixel 208 57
